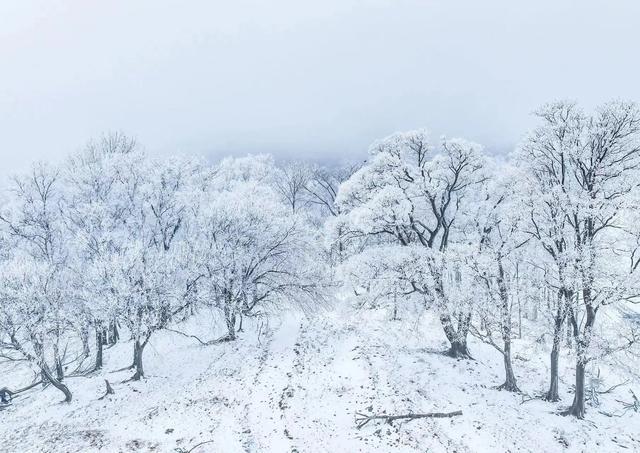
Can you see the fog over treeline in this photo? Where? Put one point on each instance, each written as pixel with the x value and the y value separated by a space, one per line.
pixel 292 79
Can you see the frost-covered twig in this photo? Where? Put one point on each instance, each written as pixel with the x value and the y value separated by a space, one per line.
pixel 612 388
pixel 634 405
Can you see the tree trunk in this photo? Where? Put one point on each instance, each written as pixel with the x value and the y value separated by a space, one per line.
pixel 569 340
pixel 99 343
pixel 510 383
pixel 115 334
pixel 458 349
pixel 552 393
pixel 230 319
pixel 58 362
pixel 561 312
pixel 519 302
pixel 395 307
pixel 46 373
pixel 457 337
pixel 577 407
pixel 138 349
pixel 84 335
pixel 231 326
pixel 39 353
pixel 59 370
pixel 519 320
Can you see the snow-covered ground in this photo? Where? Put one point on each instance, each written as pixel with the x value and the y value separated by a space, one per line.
pixel 297 386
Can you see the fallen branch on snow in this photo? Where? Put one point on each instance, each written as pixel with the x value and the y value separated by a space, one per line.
pixel 363 419
pixel 222 339
pixel 527 398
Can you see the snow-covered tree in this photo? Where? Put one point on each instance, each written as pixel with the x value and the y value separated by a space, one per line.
pixel 323 185
pixel 291 181
pixel 410 194
pixel 589 165
pixel 545 159
pixel 253 253
pixel 101 184
pixel 494 228
pixel 148 275
pixel 35 297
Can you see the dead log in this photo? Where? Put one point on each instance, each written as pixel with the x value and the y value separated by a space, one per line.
pixel 363 419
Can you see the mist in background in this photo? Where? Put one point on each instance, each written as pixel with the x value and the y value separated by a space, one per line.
pixel 316 80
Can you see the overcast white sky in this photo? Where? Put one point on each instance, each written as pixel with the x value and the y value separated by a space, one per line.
pixel 299 78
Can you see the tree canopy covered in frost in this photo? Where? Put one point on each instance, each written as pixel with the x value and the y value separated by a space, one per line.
pixel 411 194
pixel 253 251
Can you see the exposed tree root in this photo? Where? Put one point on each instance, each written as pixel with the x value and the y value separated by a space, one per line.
pixel 509 387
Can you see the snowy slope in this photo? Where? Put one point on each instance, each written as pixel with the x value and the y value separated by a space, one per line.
pixel 296 388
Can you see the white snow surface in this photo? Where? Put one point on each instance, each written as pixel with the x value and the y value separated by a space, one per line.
pixel 296 384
